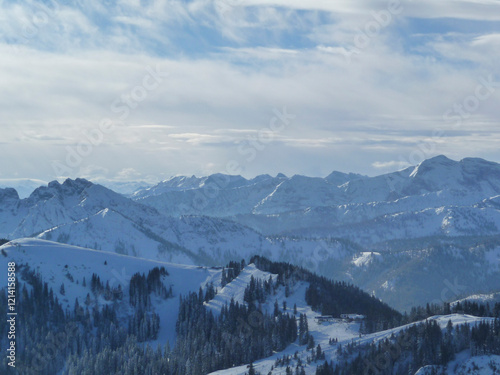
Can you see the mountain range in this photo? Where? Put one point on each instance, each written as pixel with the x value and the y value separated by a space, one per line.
pixel 426 233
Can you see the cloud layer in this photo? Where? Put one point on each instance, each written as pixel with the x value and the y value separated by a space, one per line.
pixel 190 87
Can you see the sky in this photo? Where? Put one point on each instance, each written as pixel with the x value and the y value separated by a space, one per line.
pixel 144 90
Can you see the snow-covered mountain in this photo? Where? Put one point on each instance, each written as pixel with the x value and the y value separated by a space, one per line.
pixel 223 195
pixel 64 264
pixel 396 234
pixel 81 213
pixel 437 197
pixel 68 271
pixel 424 271
pixel 127 188
pixel 348 334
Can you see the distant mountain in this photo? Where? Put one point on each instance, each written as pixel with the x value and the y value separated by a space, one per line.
pixel 23 186
pixel 127 188
pixel 470 177
pixel 398 234
pixel 216 195
pixel 223 195
pixel 81 213
pixel 437 197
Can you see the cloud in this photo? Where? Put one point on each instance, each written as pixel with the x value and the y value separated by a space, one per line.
pixel 198 139
pixel 228 69
pixel 128 174
pixel 393 164
pixel 92 172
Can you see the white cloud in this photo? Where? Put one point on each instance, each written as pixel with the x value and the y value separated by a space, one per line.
pixel 393 165
pixel 61 81
pixel 128 174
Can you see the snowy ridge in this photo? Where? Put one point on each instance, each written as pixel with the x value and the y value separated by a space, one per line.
pixel 437 197
pixel 59 263
pixel 466 365
pixel 491 298
pixel 236 288
pixel 365 258
pixel 347 333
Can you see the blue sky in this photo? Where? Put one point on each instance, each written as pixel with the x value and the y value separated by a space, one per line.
pixel 259 86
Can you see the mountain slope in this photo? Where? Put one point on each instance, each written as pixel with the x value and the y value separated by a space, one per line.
pixel 437 197
pixel 348 334
pixel 63 264
pixel 70 273
pixel 73 274
pixel 428 222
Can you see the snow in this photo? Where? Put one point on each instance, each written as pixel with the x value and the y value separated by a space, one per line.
pixel 55 261
pixel 441 320
pixel 322 332
pixel 365 258
pixel 345 333
pixel 491 298
pixel 464 364
pixel 236 288
pixel 479 365
pixel 389 285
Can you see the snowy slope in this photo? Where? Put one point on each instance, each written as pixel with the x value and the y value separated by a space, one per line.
pixel 491 298
pixel 464 364
pixel 297 193
pixel 346 333
pixel 81 213
pixel 58 263
pixel 236 288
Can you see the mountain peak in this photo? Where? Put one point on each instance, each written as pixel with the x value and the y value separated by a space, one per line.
pixel 439 160
pixel 340 178
pixel 434 163
pixel 478 163
pixel 76 182
pixel 8 194
pixel 68 187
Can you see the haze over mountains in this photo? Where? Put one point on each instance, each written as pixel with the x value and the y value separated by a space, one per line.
pixel 403 236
